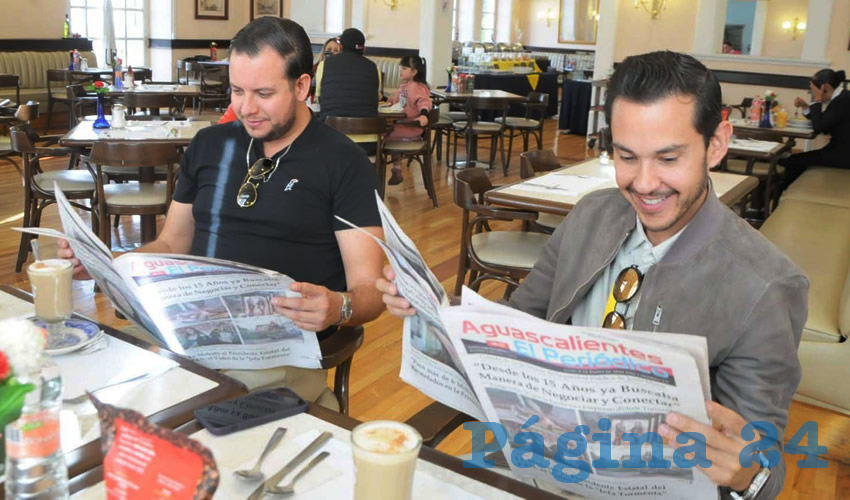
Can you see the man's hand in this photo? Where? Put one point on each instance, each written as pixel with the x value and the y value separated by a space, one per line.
pixel 423 120
pixel 65 252
pixel 396 304
pixel 723 444
pixel 316 309
pixel 799 102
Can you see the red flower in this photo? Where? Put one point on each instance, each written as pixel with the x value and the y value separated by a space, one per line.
pixel 99 84
pixel 4 367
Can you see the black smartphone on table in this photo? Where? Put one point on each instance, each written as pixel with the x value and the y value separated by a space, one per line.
pixel 250 410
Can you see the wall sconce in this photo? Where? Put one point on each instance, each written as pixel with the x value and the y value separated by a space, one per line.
pixel 654 7
pixel 548 15
pixel 390 3
pixel 796 27
pixel 594 16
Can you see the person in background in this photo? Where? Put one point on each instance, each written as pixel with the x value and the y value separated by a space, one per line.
pixel 331 47
pixel 829 114
pixel 348 84
pixel 728 48
pixel 415 98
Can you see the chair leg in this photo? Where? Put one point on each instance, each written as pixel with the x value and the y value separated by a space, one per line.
pixel 23 249
pixel 341 376
pixel 116 221
pixel 50 104
pixel 539 136
pixel 510 149
pixel 428 176
pixel 524 134
pixel 461 273
pixel 505 161
pixel 439 140
pixel 454 156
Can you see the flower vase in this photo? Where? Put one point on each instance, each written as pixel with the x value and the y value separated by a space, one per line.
pixel 100 122
pixel 449 81
pixel 765 117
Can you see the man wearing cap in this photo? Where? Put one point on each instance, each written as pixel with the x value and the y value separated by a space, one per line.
pixel 348 84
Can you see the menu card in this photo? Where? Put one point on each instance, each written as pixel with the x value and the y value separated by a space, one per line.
pixel 143 460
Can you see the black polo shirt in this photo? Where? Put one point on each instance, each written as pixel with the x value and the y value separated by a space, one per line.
pixel 290 229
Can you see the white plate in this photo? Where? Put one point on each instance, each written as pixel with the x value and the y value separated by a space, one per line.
pixel 77 333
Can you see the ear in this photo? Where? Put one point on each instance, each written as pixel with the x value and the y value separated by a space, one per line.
pixel 302 87
pixel 719 144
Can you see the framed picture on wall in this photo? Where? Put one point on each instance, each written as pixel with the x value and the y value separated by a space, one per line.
pixel 260 8
pixel 211 9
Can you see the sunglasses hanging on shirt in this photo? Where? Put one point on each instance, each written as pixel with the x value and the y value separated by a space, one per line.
pixel 260 170
pixel 626 287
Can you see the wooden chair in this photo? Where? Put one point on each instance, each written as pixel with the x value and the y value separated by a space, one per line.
pixel 765 198
pixel 153 103
pixel 63 78
pixel 532 163
pixel 39 185
pixel 338 353
pixel 419 150
pixel 6 152
pixel 214 93
pixel 78 102
pixel 143 198
pixel 531 124
pixel 366 126
pixel 505 256
pixel 472 128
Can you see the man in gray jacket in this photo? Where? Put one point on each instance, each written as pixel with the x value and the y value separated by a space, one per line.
pixel 696 267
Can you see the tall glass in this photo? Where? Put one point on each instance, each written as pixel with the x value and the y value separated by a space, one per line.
pixel 385 454
pixel 51 287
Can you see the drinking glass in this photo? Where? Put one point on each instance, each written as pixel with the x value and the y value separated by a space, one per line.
pixel 51 287
pixel 385 454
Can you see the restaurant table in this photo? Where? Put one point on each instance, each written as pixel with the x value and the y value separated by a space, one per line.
pixel 521 84
pixel 769 152
pixel 383 112
pixel 741 125
pixel 558 191
pixel 438 475
pixel 174 388
pixel 461 97
pixel 575 106
pixel 158 89
pixel 179 133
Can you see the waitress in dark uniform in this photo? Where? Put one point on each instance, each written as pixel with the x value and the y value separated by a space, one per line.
pixel 829 114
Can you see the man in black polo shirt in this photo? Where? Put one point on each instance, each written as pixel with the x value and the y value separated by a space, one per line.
pixel 286 223
pixel 348 84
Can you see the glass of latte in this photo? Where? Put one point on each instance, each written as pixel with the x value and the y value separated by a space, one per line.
pixel 385 454
pixel 50 280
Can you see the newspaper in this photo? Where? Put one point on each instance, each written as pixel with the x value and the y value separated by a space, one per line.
pixel 531 376
pixel 213 311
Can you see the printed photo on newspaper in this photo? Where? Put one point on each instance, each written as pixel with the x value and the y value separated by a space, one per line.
pixel 213 311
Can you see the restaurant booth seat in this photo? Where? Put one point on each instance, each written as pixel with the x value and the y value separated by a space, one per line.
pixel 812 227
pixel 388 66
pixel 32 67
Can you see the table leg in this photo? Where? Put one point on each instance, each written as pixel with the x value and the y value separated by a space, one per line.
pixel 148 222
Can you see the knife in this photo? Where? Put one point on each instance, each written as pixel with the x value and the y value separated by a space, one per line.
pixel 295 462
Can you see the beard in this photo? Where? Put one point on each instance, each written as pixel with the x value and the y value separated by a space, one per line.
pixel 280 129
pixel 684 206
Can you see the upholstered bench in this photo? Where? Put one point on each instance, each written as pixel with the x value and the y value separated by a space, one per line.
pixel 812 227
pixel 388 66
pixel 32 68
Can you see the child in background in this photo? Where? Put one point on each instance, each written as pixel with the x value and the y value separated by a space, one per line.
pixel 415 98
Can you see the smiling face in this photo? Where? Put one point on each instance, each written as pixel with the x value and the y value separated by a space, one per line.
pixel 661 161
pixel 263 98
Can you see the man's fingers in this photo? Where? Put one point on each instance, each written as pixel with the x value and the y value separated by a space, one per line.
pixel 725 420
pixel 715 439
pixel 386 287
pixel 307 289
pixel 389 274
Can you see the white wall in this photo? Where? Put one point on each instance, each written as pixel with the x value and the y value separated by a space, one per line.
pixel 32 18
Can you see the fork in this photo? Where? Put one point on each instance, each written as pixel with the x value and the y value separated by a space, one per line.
pixel 289 488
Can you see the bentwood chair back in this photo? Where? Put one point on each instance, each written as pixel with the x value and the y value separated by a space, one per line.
pixel 338 353
pixel 417 149
pixel 57 80
pixel 530 124
pixel 534 162
pixel 376 126
pixel 474 127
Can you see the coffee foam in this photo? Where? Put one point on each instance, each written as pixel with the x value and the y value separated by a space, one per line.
pixel 386 437
pixel 50 265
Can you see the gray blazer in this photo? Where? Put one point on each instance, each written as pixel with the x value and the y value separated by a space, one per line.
pixel 721 279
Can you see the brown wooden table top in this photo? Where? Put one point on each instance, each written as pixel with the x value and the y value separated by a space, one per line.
pixel 89 455
pixel 730 188
pixel 438 458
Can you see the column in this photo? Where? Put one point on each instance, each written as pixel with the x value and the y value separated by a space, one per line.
pixel 435 38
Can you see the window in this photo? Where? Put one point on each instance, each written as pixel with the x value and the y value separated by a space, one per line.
pixel 488 20
pixel 334 16
pixel 128 24
pixel 455 34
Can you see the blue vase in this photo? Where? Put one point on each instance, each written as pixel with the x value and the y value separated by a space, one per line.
pixel 100 122
pixel 765 118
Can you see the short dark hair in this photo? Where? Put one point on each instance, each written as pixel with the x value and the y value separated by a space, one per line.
pixel 285 36
pixel 647 78
pixel 834 78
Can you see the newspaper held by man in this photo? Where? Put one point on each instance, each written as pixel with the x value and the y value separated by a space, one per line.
pixel 213 311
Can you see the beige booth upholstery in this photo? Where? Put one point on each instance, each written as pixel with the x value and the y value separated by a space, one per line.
pixel 812 227
pixel 389 67
pixel 32 68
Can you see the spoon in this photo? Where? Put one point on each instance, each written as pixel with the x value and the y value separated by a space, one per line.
pixel 35 251
pixel 289 488
pixel 254 473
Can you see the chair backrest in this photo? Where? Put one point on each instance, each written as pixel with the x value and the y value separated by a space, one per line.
pixel 134 154
pixel 142 75
pixel 474 106
pixel 606 142
pixel 146 100
pixel 352 126
pixel 536 161
pixel 61 76
pixel 538 103
pixel 12 81
pixel 23 138
pixel 74 93
pixel 28 112
pixel 470 185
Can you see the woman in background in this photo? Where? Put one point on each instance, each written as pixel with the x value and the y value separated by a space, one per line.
pixel 829 114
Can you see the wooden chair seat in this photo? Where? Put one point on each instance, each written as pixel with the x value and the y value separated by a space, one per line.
pixel 520 123
pixel 479 127
pixel 550 221
pixel 509 248
pixel 396 146
pixel 738 166
pixel 456 115
pixel 68 181
pixel 132 194
pixel 122 171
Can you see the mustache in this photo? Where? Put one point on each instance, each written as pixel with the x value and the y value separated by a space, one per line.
pixel 651 194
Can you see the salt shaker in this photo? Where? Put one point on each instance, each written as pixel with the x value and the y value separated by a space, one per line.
pixel 119 116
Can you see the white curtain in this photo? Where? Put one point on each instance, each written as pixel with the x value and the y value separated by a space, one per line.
pixel 108 30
